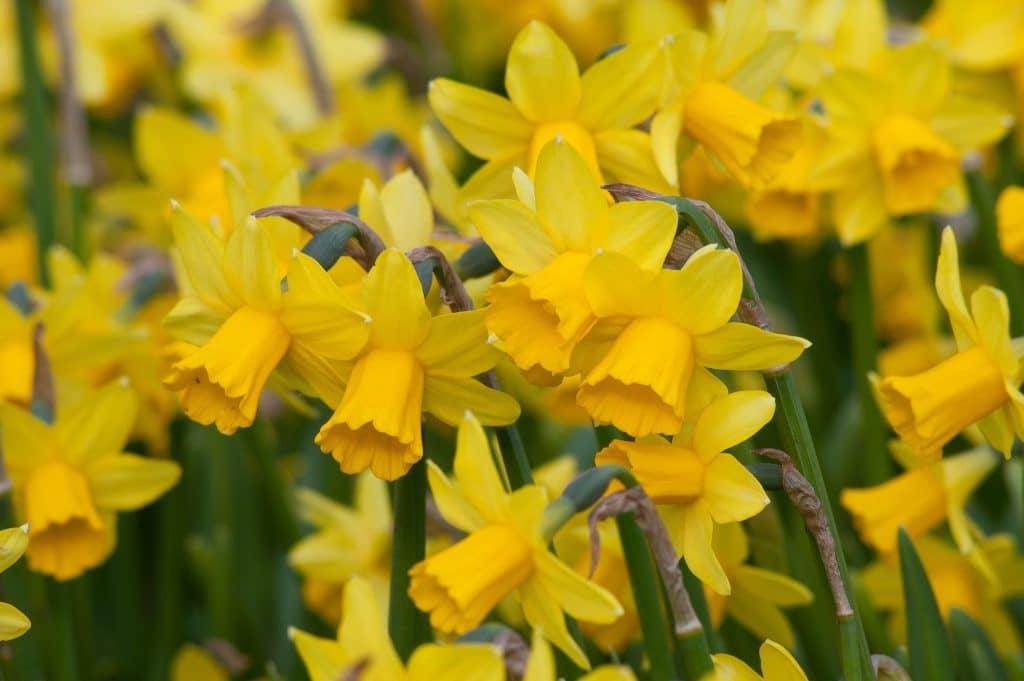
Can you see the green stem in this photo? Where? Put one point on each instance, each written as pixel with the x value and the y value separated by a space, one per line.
pixel 876 464
pixel 1007 274
pixel 63 654
pixel 222 577
pixel 644 578
pixel 38 135
pixel 168 567
pixel 513 453
pixel 407 626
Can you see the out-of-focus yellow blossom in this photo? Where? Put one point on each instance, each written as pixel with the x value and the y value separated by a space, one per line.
pixel 777 664
pixel 981 35
pixel 896 135
pixel 13 542
pixel 920 499
pixel 504 552
pixel 547 238
pixel 362 648
pixel 979 384
pixel 594 112
pixel 194 663
pixel 684 315
pixel 243 327
pixel 714 82
pixel 758 595
pixel 541 665
pixel 901 283
pixel 347 542
pixel 957 582
pixel 694 481
pixel 1010 223
pixel 412 363
pixel 71 478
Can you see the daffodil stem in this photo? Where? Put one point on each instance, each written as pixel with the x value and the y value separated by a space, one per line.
pixel 38 135
pixel 168 564
pixel 649 604
pixel 63 654
pixel 1007 274
pixel 407 626
pixel 222 578
pixel 877 465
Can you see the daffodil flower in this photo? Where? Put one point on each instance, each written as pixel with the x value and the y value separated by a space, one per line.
pixel 412 363
pixel 347 541
pixel 713 84
pixel 72 477
pixel 547 238
pixel 1010 223
pixel 362 649
pixel 777 664
pixel 541 665
pixel 979 384
pixel 13 542
pixel 758 595
pixel 658 331
pixel 194 663
pixel 505 552
pixel 243 327
pixel 595 113
pixel 696 484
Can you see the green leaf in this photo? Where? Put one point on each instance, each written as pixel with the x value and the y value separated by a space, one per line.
pixel 976 657
pixel 927 640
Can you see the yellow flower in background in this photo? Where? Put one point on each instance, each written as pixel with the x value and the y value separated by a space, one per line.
pixel 657 334
pixel 13 542
pixel 243 327
pixel 1010 223
pixel 920 499
pixel 896 135
pixel 194 663
pixel 71 478
pixel 362 649
pixel 758 595
pixel 777 664
pixel 504 552
pixel 982 35
pixel 902 283
pixel 411 364
pixel 547 238
pixel 18 260
pixel 347 542
pixel 978 384
pixel 594 112
pixel 541 665
pixel 400 211
pixel 695 483
pixel 714 82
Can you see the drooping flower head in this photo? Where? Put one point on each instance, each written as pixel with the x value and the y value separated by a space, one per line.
pixel 504 553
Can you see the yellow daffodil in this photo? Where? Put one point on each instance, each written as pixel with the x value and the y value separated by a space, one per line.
pixel 901 283
pixel 243 327
pixel 896 136
pixel 347 541
pixel 695 482
pixel 13 542
pixel 70 478
pixel 547 238
pixel 958 582
pixel 194 663
pixel 541 665
pixel 1010 222
pixel 979 384
pixel 594 112
pixel 758 595
pixel 412 363
pixel 777 664
pixel 18 260
pixel 714 82
pixel 362 649
pixel 982 35
pixel 503 553
pixel 920 499
pixel 659 331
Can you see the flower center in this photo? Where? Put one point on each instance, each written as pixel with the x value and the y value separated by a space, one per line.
pixel 573 133
pixel 461 584
pixel 916 164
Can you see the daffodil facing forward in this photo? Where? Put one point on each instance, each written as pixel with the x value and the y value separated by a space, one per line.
pixel 242 327
pixel 412 363
pixel 657 334
pixel 696 484
pixel 72 477
pixel 547 238
pixel 505 552
pixel 979 384
pixel 362 650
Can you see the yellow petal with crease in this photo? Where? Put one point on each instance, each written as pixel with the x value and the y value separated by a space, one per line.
pixel 542 78
pixel 489 126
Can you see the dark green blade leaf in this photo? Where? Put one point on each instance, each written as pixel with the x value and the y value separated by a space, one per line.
pixel 927 641
pixel 976 657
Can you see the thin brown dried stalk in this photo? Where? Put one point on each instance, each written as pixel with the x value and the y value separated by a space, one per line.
pixel 515 652
pixel 453 291
pixel 42 376
pixel 315 220
pixel 801 494
pixel 634 500
pixel 888 669
pixel 354 671
pixel 78 167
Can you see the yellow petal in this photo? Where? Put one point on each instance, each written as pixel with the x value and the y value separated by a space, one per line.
pixel 525 190
pixel 858 207
pixel 766 65
pixel 323 658
pixel 454 506
pixel 456 345
pixel 743 30
pixel 542 78
pixel 487 125
pixel 13 542
pixel 778 664
pixel 97 425
pixel 642 230
pixel 469 661
pixel 731 420
pixel 774 587
pixel 13 622
pixel 921 74
pixel 393 297
pixel 161 138
pixel 620 90
pixel 665 129
pixel 697 548
pixel 250 266
pixel 731 491
pixel 363 630
pixel 541 665
pixel 202 255
pixel 540 607
pixel 705 293
pixel 127 482
pixel 569 201
pixel 991 315
pixel 744 347
pixel 475 470
pixel 947 286
pixel 193 663
pixel 520 242
pixel 193 321
pixel 608 297
pixel 627 156
pixel 579 597
pixel 319 315
pixel 408 211
pixel 729 668
pixel 22 437
pixel 492 180
pixel 448 398
pixel 967 123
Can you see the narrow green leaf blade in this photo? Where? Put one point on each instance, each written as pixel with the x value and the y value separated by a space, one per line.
pixel 928 643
